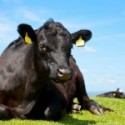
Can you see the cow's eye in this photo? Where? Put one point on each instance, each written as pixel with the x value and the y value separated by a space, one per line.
pixel 63 34
pixel 42 48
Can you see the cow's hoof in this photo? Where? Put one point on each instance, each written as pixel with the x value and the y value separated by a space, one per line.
pixel 97 109
pixel 76 108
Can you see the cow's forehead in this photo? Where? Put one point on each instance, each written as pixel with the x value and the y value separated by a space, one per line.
pixel 51 26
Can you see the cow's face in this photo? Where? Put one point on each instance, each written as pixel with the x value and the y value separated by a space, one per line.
pixel 54 44
pixel 52 48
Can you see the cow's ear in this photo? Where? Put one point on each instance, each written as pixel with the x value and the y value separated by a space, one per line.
pixel 27 33
pixel 80 37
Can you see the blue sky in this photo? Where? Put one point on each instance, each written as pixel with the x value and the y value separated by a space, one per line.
pixel 102 60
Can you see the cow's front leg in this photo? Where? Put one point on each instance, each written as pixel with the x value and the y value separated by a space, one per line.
pixel 95 108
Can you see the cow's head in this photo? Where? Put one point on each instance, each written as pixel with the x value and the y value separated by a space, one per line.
pixel 52 48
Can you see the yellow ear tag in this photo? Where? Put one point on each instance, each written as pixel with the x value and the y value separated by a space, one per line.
pixel 27 39
pixel 80 42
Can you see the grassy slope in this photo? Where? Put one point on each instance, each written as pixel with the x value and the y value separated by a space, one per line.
pixel 85 118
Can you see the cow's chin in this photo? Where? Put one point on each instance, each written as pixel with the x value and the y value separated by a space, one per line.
pixel 62 80
pixel 59 80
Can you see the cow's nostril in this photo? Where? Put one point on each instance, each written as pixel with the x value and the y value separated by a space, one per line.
pixel 60 71
pixel 64 74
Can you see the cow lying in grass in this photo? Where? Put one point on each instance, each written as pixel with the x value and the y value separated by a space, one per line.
pixel 57 99
pixel 32 64
pixel 113 94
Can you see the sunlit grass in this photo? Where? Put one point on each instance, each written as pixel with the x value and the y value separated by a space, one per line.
pixel 84 118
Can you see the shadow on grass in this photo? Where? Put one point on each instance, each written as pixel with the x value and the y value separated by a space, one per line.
pixel 69 120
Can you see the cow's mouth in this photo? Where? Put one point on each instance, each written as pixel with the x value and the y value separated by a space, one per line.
pixel 64 74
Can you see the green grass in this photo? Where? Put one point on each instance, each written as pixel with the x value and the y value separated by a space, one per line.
pixel 84 118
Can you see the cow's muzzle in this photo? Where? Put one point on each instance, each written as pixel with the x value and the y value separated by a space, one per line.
pixel 64 74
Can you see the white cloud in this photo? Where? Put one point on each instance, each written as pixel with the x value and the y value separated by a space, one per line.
pixel 7 30
pixel 31 15
pixel 74 24
pixel 111 37
pixel 84 71
pixel 8 23
pixel 4 27
pixel 89 49
pixel 107 80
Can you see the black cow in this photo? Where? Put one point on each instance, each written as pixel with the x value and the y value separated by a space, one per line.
pixel 30 64
pixel 113 94
pixel 58 98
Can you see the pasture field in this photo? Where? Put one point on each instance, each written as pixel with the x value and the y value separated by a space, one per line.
pixel 84 118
